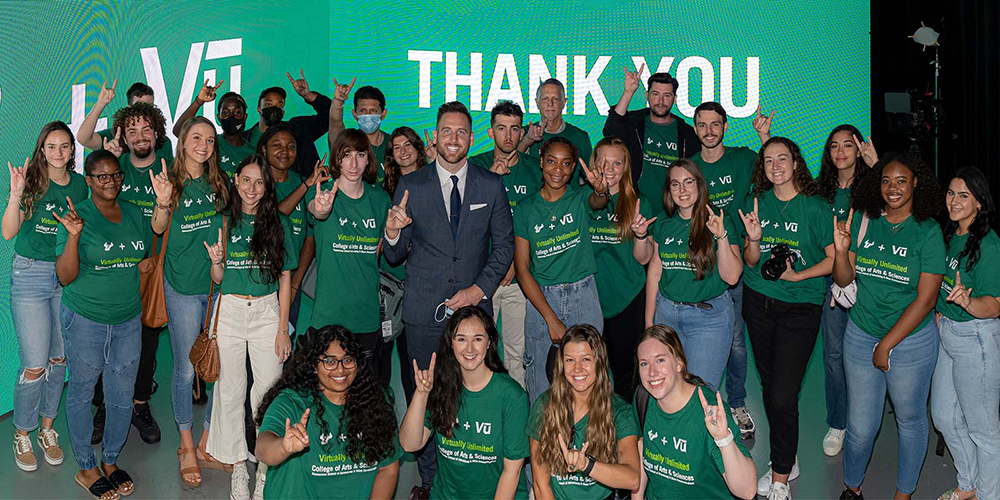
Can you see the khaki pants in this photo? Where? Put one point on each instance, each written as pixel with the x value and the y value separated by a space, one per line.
pixel 245 326
pixel 509 303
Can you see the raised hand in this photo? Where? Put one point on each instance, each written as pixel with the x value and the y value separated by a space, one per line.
pixel 397 218
pixel 762 122
pixel 296 438
pixel 501 164
pixel 17 176
pixel 320 173
pixel 215 252
pixel 106 95
pixel 751 222
pixel 114 146
pixel 207 92
pixel 301 86
pixel 842 233
pixel 716 223
pixel 633 79
pixel 715 416
pixel 868 153
pixel 424 379
pixel 960 295
pixel 596 177
pixel 430 149
pixel 71 221
pixel 640 224
pixel 322 204
pixel 162 187
pixel 536 130
pixel 340 91
pixel 576 460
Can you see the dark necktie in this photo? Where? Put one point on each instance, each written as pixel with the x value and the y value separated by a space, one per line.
pixel 456 206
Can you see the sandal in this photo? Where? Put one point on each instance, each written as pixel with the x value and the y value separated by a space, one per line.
pixel 99 488
pixel 188 470
pixel 207 461
pixel 120 477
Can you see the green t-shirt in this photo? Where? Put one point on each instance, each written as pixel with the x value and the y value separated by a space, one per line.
pixel 298 215
pixel 983 279
pixel 680 457
pixel 842 204
pixel 575 135
pixel 37 237
pixel 524 179
pixel 242 276
pixel 805 224
pixel 136 187
pixel 380 158
pixel 230 156
pixel 193 222
pixel 556 233
pixel 888 267
pixel 323 470
pixel 729 178
pixel 164 151
pixel 347 263
pixel 489 428
pixel 619 277
pixel 677 280
pixel 576 485
pixel 659 151
pixel 107 289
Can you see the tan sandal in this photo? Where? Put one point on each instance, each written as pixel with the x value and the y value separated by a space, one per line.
pixel 188 470
pixel 207 461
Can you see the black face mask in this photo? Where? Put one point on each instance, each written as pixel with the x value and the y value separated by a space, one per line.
pixel 232 125
pixel 272 115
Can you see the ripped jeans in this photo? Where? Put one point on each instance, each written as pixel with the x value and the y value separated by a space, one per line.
pixel 35 295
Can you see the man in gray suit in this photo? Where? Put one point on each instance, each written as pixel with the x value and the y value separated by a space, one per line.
pixel 452 224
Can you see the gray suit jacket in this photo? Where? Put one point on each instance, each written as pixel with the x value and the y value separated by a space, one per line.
pixel 439 265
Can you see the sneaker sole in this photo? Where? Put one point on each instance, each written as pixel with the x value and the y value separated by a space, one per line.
pixel 54 461
pixel 26 467
pixel 827 451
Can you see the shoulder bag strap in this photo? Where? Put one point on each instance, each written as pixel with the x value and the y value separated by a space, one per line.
pixel 211 287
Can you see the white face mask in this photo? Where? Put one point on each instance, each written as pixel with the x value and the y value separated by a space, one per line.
pixel 441 317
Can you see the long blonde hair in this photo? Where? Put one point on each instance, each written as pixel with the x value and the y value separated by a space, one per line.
pixel 215 176
pixel 557 418
pixel 625 209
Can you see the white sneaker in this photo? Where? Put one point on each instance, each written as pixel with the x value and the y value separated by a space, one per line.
pixel 744 421
pixel 779 491
pixel 833 442
pixel 239 486
pixel 764 483
pixel 258 482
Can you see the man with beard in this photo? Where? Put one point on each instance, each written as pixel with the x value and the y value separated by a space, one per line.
pixel 138 92
pixel 453 227
pixel 655 137
pixel 551 101
pixel 308 129
pixel 369 111
pixel 232 115
pixel 522 177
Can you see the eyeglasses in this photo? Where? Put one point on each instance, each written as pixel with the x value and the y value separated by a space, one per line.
pixel 688 184
pixel 106 178
pixel 331 363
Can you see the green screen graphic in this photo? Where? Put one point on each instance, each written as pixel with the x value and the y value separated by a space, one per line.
pixel 802 59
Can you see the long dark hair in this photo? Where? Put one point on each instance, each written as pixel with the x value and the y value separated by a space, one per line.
pixel 829 181
pixel 267 249
pixel 980 227
pixel 446 395
pixel 271 132
pixel 392 170
pixel 368 420
pixel 349 140
pixel 927 199
pixel 36 177
pixel 701 244
pixel 804 182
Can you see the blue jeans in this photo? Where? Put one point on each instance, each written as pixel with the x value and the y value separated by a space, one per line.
pixel 705 334
pixel 35 297
pixel 94 349
pixel 574 304
pixel 736 369
pixel 187 316
pixel 965 395
pixel 908 381
pixel 834 321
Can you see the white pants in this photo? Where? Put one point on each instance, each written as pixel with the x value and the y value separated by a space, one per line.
pixel 509 302
pixel 245 326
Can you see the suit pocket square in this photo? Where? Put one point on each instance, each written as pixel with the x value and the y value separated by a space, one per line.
pixel 476 206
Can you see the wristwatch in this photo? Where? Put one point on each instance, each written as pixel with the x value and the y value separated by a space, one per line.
pixel 590 465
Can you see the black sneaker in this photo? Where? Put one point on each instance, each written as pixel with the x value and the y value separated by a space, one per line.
pixel 419 493
pixel 143 421
pixel 850 495
pixel 98 434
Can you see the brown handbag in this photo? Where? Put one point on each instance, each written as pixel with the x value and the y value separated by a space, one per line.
pixel 154 300
pixel 204 353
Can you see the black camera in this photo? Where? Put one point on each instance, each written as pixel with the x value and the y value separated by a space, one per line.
pixel 773 268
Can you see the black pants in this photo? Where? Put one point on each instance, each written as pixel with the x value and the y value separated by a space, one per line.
pixel 621 333
pixel 782 336
pixel 405 366
pixel 379 355
pixel 421 342
pixel 147 367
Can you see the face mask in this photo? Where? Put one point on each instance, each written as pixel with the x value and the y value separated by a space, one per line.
pixel 272 115
pixel 232 125
pixel 369 123
pixel 438 316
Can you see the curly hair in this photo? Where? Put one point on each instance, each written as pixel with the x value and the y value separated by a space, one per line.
pixel 217 179
pixel 557 418
pixel 392 169
pixel 625 209
pixel 36 178
pixel 267 248
pixel 701 243
pixel 804 182
pixel 829 180
pixel 368 420
pixel 927 199
pixel 979 187
pixel 152 114
pixel 273 131
pixel 446 396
